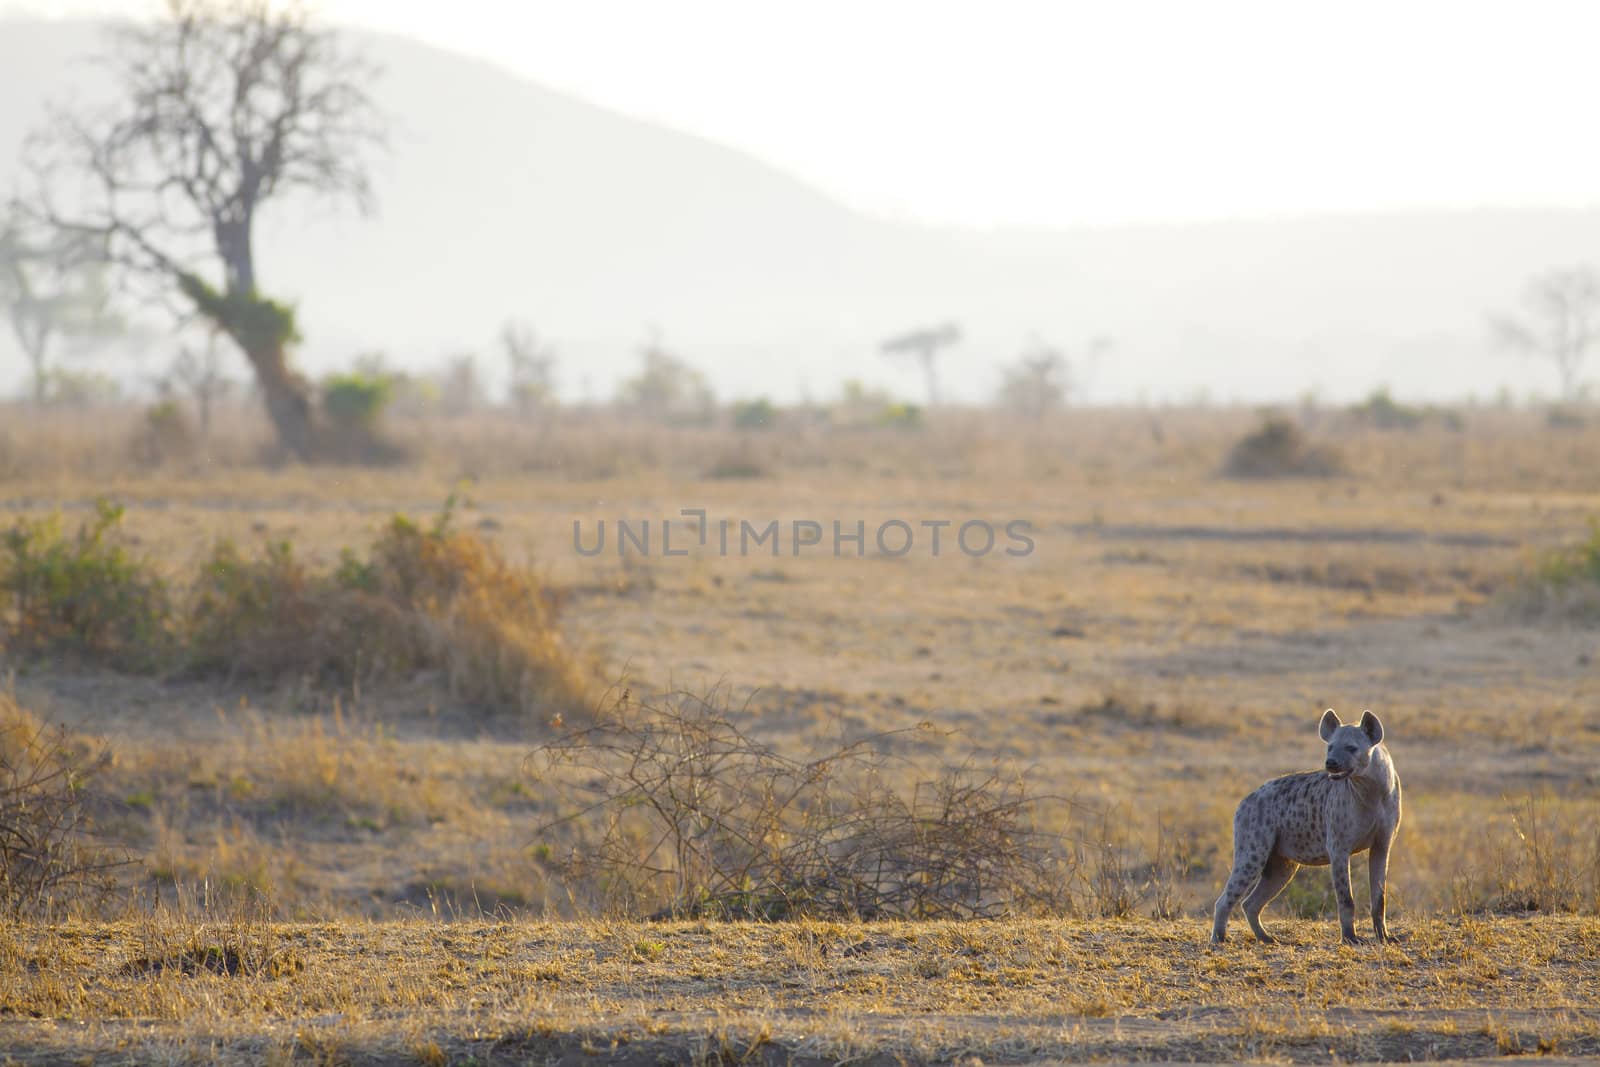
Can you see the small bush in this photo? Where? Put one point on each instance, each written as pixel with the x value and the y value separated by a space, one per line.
pixel 86 596
pixel 1383 412
pixel 49 861
pixel 165 435
pixel 354 404
pixel 269 617
pixel 356 400
pixel 1563 584
pixel 900 416
pixel 1561 418
pixel 737 466
pixel 697 818
pixel 1278 449
pixel 1577 564
pixel 754 414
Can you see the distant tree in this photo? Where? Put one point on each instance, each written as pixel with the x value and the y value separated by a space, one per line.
pixel 198 372
pixel 223 106
pixel 1039 381
pixel 52 288
pixel 1042 379
pixel 80 389
pixel 924 345
pixel 855 395
pixel 666 385
pixel 532 365
pixel 460 385
pixel 1562 324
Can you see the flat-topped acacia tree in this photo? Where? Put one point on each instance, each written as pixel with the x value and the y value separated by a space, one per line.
pixel 925 344
pixel 221 107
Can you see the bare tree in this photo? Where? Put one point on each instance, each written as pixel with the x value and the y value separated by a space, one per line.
pixel 925 344
pixel 52 287
pixel 1563 324
pixel 532 365
pixel 1042 379
pixel 1039 382
pixel 460 386
pixel 199 373
pixel 223 107
pixel 666 386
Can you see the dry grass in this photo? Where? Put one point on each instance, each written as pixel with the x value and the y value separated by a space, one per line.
pixel 238 989
pixel 1167 647
pixel 1478 448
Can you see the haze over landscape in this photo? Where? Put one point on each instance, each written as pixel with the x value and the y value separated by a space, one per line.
pixel 892 533
pixel 500 197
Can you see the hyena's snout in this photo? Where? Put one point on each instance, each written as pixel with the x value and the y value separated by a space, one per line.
pixel 1341 767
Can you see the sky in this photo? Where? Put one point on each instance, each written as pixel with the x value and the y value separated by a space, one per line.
pixel 1064 113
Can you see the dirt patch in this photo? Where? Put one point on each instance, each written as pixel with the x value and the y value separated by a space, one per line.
pixel 1355 535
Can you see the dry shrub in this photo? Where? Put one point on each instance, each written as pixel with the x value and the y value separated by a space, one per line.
pixel 1121 876
pixel 1561 585
pixel 1543 857
pixel 693 817
pixel 491 627
pixel 270 616
pixel 165 435
pixel 49 860
pixel 1278 449
pixel 87 596
pixel 423 599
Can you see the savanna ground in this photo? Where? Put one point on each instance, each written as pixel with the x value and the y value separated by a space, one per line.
pixel 353 870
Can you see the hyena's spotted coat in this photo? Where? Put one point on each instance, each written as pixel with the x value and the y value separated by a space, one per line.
pixel 1315 818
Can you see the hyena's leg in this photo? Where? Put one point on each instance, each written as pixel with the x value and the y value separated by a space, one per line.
pixel 1339 862
pixel 1377 879
pixel 1250 856
pixel 1279 873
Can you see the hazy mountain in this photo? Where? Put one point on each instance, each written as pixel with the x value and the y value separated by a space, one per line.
pixel 500 198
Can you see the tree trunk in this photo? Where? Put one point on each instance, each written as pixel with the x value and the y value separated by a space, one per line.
pixel 41 375
pixel 35 345
pixel 287 398
pixel 263 329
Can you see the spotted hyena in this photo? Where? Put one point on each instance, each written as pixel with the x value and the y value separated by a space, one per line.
pixel 1318 817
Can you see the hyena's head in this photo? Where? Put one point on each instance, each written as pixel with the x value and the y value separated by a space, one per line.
pixel 1350 746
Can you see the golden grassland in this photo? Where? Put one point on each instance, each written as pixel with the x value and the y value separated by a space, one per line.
pixel 1168 645
pixel 244 990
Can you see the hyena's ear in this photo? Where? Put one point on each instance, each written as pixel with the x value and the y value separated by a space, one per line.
pixel 1330 723
pixel 1371 727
